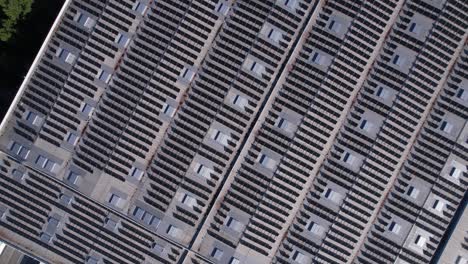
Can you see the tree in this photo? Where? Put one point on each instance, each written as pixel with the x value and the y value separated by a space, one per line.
pixel 12 11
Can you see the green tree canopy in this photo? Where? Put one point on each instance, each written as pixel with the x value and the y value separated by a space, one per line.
pixel 11 12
